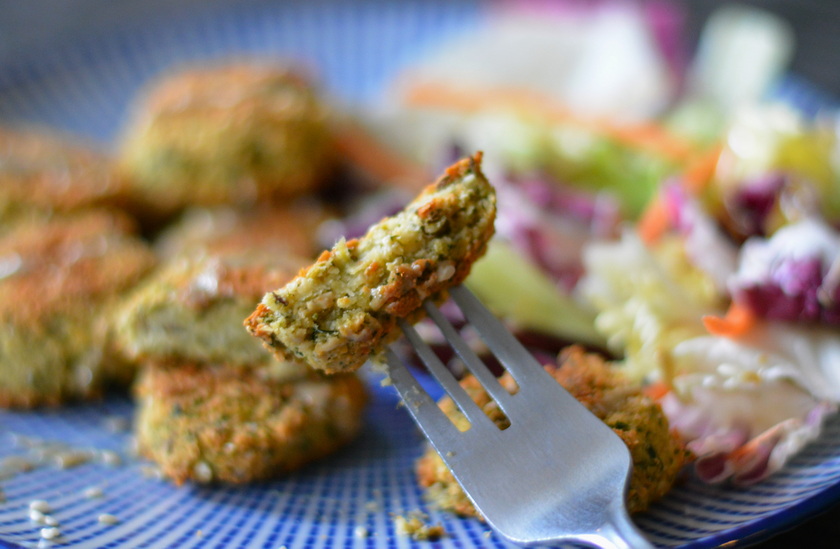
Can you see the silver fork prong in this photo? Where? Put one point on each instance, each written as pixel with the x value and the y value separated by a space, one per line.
pixel 507 349
pixel 441 373
pixel 435 424
pixel 557 473
pixel 471 360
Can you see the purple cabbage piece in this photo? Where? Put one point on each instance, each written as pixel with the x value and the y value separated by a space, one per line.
pixel 361 216
pixel 551 223
pixel 790 292
pixel 791 276
pixel 750 207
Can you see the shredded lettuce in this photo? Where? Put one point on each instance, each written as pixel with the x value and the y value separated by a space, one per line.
pixel 775 138
pixel 647 300
pixel 513 287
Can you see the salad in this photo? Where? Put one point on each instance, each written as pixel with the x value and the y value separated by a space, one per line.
pixel 697 242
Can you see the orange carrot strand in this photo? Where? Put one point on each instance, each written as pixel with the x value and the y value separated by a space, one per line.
pixel 737 321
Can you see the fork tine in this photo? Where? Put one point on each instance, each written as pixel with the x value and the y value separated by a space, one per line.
pixel 442 374
pixel 471 360
pixel 435 424
pixel 507 349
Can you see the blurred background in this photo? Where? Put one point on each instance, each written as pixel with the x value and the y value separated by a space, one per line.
pixel 814 23
pixel 44 39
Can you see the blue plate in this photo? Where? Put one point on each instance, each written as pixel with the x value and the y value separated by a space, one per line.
pixel 84 86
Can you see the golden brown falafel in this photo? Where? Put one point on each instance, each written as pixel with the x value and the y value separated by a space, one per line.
pixel 59 280
pixel 221 424
pixel 192 308
pixel 344 308
pixel 658 454
pixel 44 172
pixel 229 134
pixel 220 262
pixel 278 230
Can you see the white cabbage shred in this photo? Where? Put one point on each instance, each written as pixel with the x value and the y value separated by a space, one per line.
pixel 745 405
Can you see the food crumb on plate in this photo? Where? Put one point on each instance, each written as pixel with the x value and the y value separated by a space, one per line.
pixel 36 516
pixel 72 458
pixel 40 505
pixel 415 527
pixel 110 457
pixel 107 518
pixel 93 492
pixel 50 532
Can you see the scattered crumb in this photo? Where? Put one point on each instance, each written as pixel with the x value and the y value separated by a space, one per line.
pixel 110 457
pixel 72 458
pixel 40 505
pixel 361 532
pixel 151 471
pixel 415 528
pixel 199 534
pixel 488 534
pixel 50 520
pixel 50 533
pixel 203 472
pixel 372 507
pixel 107 518
pixel 36 516
pixel 93 492
pixel 12 465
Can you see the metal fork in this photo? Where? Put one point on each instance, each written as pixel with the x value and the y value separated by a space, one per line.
pixel 556 474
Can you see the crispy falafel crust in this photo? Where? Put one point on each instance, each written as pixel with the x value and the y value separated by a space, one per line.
pixel 63 277
pixel 344 308
pixel 43 172
pixel 217 266
pixel 658 454
pixel 236 133
pixel 231 425
pixel 191 308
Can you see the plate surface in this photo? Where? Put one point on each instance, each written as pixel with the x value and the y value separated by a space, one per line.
pixel 348 500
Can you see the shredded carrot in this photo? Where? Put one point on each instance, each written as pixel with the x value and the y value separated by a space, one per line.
pixel 737 321
pixel 375 159
pixel 700 171
pixel 657 390
pixel 645 137
pixel 654 221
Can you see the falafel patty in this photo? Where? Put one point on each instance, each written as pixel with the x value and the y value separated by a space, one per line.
pixel 290 229
pixel 221 424
pixel 229 134
pixel 44 172
pixel 220 262
pixel 344 308
pixel 191 309
pixel 658 454
pixel 59 280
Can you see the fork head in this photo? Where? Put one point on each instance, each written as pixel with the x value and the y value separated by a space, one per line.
pixel 556 472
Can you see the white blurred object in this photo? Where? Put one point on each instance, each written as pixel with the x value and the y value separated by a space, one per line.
pixel 603 62
pixel 618 71
pixel 742 51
